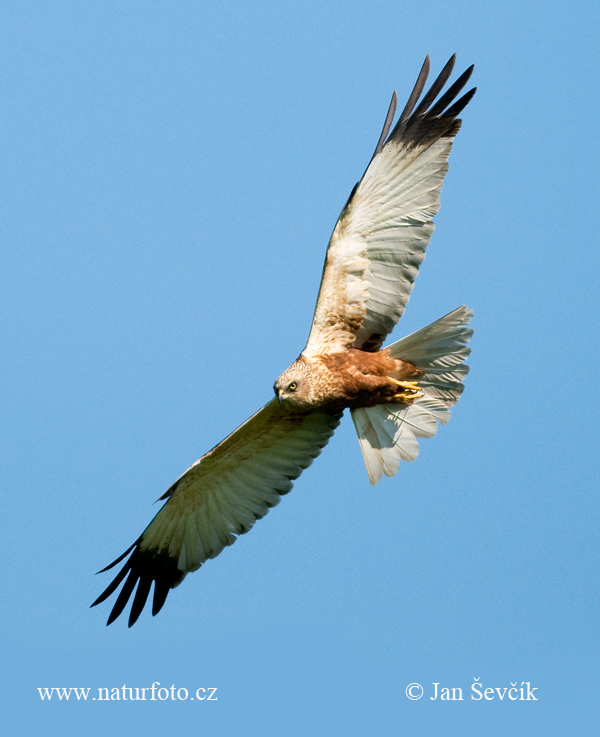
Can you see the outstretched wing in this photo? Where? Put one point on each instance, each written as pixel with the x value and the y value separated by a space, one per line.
pixel 380 238
pixel 219 497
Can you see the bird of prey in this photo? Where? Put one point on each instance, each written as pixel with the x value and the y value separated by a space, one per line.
pixel 395 394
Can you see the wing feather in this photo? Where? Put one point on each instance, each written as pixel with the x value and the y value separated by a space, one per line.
pixel 218 498
pixel 379 241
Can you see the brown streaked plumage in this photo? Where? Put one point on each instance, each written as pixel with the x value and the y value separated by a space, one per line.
pixel 396 394
pixel 344 380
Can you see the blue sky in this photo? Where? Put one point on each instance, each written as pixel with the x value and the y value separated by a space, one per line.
pixel 171 173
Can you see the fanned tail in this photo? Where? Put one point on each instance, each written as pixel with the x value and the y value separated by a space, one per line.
pixel 388 432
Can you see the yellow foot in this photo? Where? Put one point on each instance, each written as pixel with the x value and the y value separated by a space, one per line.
pixel 412 385
pixel 405 397
pixel 413 391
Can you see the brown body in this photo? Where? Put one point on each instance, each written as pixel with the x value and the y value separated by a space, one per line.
pixel 362 379
pixel 350 378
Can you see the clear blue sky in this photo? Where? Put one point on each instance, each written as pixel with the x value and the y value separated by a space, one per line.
pixel 171 173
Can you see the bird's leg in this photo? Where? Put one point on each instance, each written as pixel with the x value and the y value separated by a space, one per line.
pixel 412 391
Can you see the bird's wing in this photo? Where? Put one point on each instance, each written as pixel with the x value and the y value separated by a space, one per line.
pixel 219 497
pixel 380 238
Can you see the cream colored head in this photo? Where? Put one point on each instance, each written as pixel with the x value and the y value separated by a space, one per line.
pixel 295 386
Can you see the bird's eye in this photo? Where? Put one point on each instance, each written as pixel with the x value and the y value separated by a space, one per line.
pixel 292 387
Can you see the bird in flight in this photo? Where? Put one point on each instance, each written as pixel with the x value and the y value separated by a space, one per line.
pixel 395 394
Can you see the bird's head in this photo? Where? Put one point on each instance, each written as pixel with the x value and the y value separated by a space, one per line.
pixel 294 387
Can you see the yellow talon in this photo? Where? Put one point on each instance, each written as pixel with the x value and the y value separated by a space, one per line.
pixel 412 385
pixel 406 397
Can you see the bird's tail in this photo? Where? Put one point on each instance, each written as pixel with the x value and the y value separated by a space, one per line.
pixel 388 432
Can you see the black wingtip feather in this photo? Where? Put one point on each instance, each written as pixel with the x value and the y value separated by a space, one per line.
pixel 428 120
pixel 451 93
pixel 112 587
pixel 161 591
pixel 437 86
pixel 119 559
pixel 461 104
pixel 139 600
pixel 387 125
pixel 414 95
pixel 143 567
pixel 123 597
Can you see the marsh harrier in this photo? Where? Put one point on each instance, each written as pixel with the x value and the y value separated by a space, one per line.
pixel 395 394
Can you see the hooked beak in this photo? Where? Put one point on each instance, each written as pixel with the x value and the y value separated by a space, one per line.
pixel 280 396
